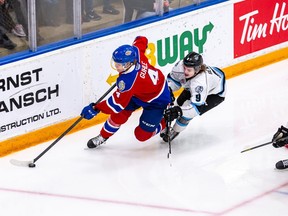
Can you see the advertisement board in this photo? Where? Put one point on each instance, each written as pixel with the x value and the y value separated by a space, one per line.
pixel 54 87
pixel 38 93
pixel 259 25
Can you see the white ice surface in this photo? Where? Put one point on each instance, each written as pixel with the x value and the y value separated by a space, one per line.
pixel 205 175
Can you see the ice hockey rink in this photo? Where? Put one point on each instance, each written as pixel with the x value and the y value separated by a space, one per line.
pixel 206 175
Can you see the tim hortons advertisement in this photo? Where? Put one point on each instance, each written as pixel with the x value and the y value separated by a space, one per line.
pixel 259 24
pixel 35 95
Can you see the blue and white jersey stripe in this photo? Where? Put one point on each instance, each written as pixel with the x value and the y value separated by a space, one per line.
pixel 116 107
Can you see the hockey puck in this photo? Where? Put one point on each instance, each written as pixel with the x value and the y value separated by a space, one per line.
pixel 32 165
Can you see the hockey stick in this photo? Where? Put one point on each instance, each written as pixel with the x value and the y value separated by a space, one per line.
pixel 168 125
pixel 32 162
pixel 256 147
pixel 282 139
pixel 168 132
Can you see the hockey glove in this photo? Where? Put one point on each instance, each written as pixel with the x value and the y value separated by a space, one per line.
pixel 89 112
pixel 172 113
pixel 280 138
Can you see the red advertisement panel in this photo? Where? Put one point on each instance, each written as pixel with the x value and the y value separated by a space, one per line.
pixel 259 24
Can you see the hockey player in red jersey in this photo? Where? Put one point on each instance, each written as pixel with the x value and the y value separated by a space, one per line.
pixel 280 139
pixel 139 85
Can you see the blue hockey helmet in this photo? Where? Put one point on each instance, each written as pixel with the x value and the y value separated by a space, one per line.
pixel 125 54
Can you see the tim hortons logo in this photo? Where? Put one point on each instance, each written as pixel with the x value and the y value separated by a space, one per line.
pixel 253 30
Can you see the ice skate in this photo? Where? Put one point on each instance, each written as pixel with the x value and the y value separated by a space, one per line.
pixel 96 141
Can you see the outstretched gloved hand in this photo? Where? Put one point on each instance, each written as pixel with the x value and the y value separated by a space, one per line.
pixel 89 112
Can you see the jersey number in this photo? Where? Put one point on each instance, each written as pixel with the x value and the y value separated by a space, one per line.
pixel 198 97
pixel 153 76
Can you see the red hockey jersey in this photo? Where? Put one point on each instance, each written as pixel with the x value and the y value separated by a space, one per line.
pixel 143 83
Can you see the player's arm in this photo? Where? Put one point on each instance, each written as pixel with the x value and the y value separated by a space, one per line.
pixel 196 95
pixel 115 103
pixel 141 43
pixel 173 82
pixel 175 76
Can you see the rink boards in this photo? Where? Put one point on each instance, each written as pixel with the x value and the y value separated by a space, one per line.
pixel 43 95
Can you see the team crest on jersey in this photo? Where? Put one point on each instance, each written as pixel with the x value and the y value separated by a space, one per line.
pixel 121 85
pixel 199 89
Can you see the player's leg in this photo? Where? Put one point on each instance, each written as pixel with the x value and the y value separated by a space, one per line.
pixel 112 125
pixel 188 114
pixel 151 122
pixel 211 102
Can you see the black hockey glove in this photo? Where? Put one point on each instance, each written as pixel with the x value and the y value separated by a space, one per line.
pixel 280 138
pixel 172 113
